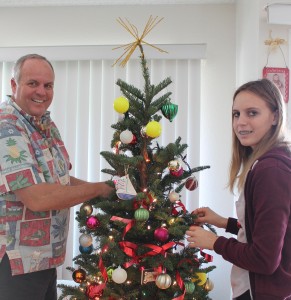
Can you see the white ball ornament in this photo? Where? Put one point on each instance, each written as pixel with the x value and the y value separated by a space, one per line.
pixel 174 197
pixel 163 281
pixel 126 137
pixel 85 240
pixel 119 275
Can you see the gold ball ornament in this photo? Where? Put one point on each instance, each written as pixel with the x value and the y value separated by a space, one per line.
pixel 209 285
pixel 86 208
pixel 153 129
pixel 200 278
pixel 121 105
pixel 163 281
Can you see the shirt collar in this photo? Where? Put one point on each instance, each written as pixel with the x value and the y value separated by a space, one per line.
pixel 42 125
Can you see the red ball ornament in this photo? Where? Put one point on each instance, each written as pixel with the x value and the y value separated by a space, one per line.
pixel 191 183
pixel 92 222
pixel 94 291
pixel 161 234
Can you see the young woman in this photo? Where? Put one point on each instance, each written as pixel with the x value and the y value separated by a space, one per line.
pixel 261 170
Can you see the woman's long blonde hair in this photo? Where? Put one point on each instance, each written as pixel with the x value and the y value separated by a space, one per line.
pixel 244 156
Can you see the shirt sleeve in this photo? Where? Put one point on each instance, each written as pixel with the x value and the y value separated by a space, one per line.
pixel 270 200
pixel 18 165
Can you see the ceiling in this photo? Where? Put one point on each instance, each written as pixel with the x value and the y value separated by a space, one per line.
pixel 29 3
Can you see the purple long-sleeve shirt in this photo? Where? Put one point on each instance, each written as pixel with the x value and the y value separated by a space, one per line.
pixel 267 255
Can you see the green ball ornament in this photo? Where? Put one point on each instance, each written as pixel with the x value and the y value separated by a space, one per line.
pixel 141 214
pixel 169 111
pixel 189 287
pixel 153 129
pixel 121 105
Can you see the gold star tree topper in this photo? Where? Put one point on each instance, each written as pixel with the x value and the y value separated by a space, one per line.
pixel 139 40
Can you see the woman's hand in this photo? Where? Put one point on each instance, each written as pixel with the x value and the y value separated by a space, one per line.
pixel 206 215
pixel 200 238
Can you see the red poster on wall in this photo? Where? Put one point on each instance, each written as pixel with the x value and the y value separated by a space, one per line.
pixel 279 76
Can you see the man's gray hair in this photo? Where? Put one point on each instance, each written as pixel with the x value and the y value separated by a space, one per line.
pixel 16 70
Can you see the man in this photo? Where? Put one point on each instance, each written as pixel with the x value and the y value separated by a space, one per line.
pixel 36 190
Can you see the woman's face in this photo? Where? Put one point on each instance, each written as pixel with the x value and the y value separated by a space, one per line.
pixel 252 118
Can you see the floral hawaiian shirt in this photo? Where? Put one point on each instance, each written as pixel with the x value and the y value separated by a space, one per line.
pixel 31 152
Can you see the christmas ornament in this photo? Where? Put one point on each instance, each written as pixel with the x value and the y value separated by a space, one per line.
pixel 175 168
pixel 126 137
pixel 121 105
pixel 153 129
pixel 86 250
pixel 85 240
pixel 124 188
pixel 86 208
pixel 191 183
pixel 189 287
pixel 163 281
pixel 202 277
pixel 92 222
pixel 174 165
pixel 169 110
pixel 141 214
pixel 79 275
pixel 173 197
pixel 209 285
pixel 119 275
pixel 115 149
pixel 109 273
pixel 94 291
pixel 161 234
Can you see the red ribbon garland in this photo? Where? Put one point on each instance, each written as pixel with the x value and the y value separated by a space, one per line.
pixel 129 223
pixel 144 203
pixel 181 286
pixel 157 249
pixel 178 204
pixel 130 250
pixel 207 257
pixel 101 265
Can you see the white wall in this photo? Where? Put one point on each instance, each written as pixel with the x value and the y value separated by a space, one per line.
pixel 210 24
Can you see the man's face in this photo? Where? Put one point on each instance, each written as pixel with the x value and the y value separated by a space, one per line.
pixel 35 89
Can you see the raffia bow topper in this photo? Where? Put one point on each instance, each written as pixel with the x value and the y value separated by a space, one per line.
pixel 274 43
pixel 139 40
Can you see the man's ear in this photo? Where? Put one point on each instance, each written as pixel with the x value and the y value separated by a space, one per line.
pixel 13 85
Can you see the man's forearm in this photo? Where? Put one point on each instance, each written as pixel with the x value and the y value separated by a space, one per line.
pixel 45 196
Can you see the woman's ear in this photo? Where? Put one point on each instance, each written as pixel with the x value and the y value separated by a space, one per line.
pixel 276 117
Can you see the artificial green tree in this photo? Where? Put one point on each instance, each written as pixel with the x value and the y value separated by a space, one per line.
pixel 134 246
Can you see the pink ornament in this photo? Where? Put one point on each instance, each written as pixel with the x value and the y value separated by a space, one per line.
pixel 161 234
pixel 92 222
pixel 177 173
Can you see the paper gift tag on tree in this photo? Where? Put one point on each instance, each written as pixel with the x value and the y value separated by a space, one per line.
pixel 124 188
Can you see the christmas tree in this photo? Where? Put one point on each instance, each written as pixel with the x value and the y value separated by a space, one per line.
pixel 134 246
